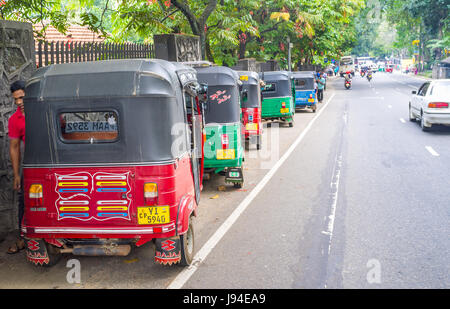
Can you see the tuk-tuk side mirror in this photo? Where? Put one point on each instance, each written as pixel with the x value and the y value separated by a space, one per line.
pixel 414 92
pixel 241 85
pixel 203 89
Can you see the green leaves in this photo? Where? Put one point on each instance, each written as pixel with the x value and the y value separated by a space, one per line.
pixel 228 29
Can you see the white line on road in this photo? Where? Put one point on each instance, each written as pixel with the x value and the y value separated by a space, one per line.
pixel 432 151
pixel 185 274
pixel 334 185
pixel 389 106
pixel 402 120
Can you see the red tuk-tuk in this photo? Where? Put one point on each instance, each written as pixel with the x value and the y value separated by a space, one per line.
pixel 390 68
pixel 112 159
pixel 251 106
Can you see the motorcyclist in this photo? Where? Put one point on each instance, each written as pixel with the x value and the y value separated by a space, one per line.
pixel 369 74
pixel 348 76
pixel 348 80
pixel 363 71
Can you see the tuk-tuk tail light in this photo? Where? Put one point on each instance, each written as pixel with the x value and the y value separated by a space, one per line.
pixel 36 195
pixel 150 193
pixel 225 141
pixel 283 104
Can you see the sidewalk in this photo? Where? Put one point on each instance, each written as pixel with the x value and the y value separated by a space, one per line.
pixel 412 75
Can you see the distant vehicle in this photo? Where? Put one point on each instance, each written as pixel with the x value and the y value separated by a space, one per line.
pixel 346 64
pixel 305 92
pixel 390 68
pixel 430 104
pixel 373 66
pixel 348 80
pixel 363 62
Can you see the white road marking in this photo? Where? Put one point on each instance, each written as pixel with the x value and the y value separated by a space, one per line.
pixel 432 151
pixel 201 255
pixel 402 120
pixel 334 185
pixel 389 106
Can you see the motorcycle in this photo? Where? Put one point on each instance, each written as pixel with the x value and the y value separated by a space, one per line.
pixel 348 82
pixel 369 76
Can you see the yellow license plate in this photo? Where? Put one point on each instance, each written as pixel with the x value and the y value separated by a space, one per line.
pixel 225 154
pixel 154 215
pixel 311 100
pixel 284 110
pixel 251 126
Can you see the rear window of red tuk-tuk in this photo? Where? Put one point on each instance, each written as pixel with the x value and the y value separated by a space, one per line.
pixel 88 127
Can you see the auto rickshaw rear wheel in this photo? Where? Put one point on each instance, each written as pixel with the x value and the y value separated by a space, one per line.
pixel 53 254
pixel 238 185
pixel 187 245
pixel 291 124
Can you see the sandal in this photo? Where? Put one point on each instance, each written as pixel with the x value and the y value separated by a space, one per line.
pixel 19 245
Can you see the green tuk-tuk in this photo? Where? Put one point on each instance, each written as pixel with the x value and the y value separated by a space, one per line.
pixel 223 150
pixel 278 96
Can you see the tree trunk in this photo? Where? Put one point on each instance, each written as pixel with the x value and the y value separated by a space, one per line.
pixel 209 54
pixel 197 24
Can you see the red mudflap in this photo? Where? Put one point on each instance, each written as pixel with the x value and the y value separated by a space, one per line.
pixel 168 250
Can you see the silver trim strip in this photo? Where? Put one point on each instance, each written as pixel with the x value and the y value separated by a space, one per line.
pixel 59 165
pixel 103 231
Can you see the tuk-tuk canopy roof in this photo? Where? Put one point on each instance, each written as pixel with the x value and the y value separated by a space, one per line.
pixel 135 95
pixel 303 74
pixel 253 77
pixel 217 76
pixel 223 94
pixel 109 78
pixel 253 88
pixel 275 75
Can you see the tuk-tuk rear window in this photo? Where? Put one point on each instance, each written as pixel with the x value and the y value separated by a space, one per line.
pixel 304 83
pixel 89 126
pixel 269 87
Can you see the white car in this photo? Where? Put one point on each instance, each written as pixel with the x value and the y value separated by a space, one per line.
pixel 430 104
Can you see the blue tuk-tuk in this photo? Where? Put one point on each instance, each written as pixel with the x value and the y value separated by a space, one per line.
pixel 305 90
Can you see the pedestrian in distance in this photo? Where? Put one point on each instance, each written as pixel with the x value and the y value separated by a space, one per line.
pixel 320 87
pixel 16 133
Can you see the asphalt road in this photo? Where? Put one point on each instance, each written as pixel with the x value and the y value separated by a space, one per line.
pixel 354 196
pixel 360 203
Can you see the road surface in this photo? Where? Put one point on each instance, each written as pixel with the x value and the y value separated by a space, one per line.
pixel 354 196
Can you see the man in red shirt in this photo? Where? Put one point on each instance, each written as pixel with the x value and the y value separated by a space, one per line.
pixel 16 133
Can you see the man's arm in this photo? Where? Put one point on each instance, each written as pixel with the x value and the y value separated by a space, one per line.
pixel 14 153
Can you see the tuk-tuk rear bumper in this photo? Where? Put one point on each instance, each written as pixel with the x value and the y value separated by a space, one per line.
pixel 252 133
pixel 98 232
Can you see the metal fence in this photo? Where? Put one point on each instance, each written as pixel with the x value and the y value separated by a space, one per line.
pixel 66 52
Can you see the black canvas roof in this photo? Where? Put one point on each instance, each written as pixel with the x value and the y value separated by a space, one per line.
pixel 303 74
pixel 145 95
pixel 275 75
pixel 217 75
pixel 108 78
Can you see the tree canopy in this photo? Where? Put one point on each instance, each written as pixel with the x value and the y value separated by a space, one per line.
pixel 319 30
